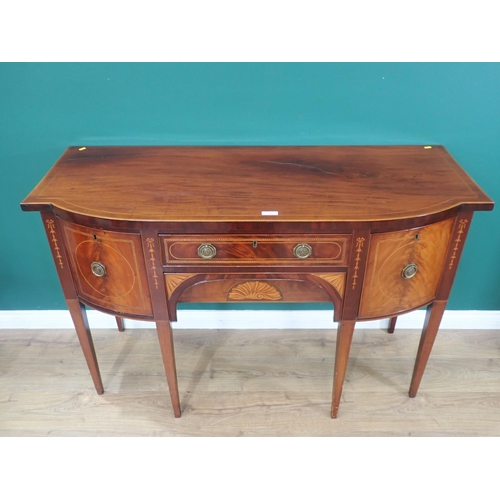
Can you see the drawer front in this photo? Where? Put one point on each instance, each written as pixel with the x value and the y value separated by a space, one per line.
pixel 108 268
pixel 240 250
pixel 403 269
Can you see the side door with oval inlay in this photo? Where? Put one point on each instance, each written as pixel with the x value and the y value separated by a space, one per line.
pixel 403 269
pixel 108 269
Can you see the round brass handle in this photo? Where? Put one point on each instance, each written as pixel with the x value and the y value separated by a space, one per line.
pixel 207 251
pixel 98 269
pixel 409 271
pixel 302 251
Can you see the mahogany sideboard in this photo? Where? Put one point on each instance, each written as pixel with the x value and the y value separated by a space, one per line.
pixel 375 230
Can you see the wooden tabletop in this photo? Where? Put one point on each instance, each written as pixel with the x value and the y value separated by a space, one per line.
pixel 282 183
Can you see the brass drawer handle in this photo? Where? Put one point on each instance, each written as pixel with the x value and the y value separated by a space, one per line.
pixel 207 251
pixel 98 269
pixel 409 271
pixel 302 251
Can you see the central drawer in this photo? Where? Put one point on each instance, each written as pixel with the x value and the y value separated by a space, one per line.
pixel 239 250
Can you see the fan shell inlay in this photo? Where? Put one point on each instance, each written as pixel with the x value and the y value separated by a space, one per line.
pixel 254 290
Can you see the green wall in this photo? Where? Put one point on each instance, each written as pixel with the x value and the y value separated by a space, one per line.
pixel 46 107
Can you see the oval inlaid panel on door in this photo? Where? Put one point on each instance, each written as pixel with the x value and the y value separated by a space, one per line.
pixel 403 269
pixel 108 268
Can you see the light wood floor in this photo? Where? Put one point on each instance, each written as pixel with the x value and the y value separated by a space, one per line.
pixel 248 383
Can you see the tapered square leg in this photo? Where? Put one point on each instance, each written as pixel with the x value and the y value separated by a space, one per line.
pixel 167 351
pixel 79 317
pixel 344 339
pixel 120 324
pixel 392 324
pixel 431 326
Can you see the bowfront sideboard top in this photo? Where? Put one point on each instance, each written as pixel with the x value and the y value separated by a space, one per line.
pixel 375 230
pixel 289 184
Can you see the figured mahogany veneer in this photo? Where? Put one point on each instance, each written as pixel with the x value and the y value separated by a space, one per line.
pixel 386 291
pixel 375 230
pixel 256 249
pixel 124 287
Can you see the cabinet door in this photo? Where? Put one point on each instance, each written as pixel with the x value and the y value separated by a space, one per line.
pixel 403 269
pixel 108 269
